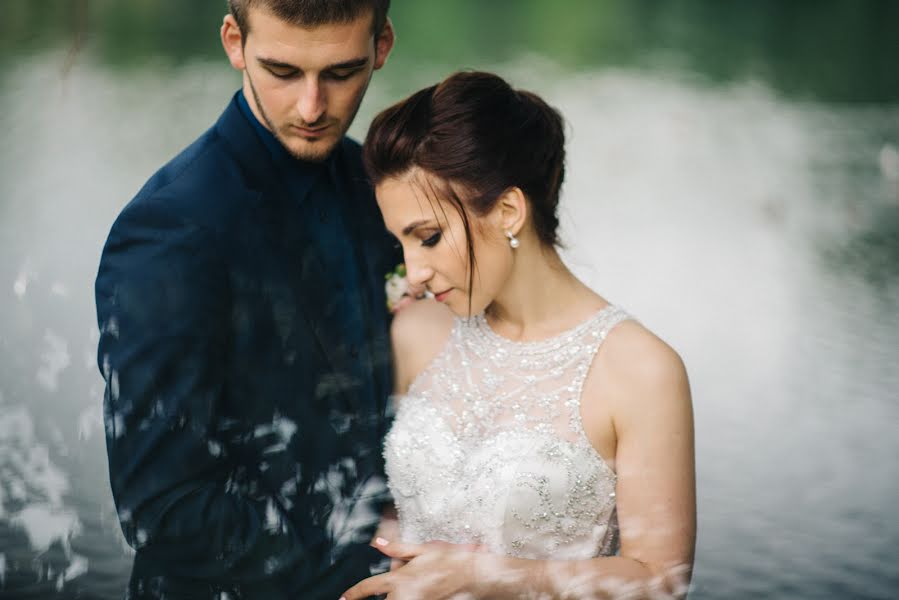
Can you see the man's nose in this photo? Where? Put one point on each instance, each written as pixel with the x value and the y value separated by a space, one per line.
pixel 311 103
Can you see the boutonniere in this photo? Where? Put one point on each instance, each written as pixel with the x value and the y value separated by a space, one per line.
pixel 396 286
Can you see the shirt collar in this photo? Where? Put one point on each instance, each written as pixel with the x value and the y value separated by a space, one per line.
pixel 294 168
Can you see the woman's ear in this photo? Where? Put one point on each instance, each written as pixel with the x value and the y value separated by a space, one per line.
pixel 232 42
pixel 513 210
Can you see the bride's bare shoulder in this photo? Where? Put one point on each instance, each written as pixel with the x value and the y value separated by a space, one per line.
pixel 640 373
pixel 418 333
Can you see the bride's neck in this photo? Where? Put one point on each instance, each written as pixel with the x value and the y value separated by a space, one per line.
pixel 541 298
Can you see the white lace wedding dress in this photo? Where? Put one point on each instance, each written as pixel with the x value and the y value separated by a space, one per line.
pixel 487 446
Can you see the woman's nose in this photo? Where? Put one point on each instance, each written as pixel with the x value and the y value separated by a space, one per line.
pixel 417 273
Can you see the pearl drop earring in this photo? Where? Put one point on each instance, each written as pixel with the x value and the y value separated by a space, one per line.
pixel 513 241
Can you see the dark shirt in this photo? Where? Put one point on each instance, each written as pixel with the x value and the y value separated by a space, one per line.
pixel 317 188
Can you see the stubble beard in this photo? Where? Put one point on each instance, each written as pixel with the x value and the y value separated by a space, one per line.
pixel 310 156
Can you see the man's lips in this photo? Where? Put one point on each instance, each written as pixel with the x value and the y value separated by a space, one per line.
pixel 311 131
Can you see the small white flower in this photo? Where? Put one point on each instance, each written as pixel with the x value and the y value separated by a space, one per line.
pixel 396 287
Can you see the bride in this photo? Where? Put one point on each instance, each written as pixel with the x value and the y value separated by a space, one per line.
pixel 543 440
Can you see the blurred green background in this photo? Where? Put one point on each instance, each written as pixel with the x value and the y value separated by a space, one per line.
pixel 837 50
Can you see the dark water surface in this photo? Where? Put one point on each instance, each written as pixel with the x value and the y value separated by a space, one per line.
pixel 733 182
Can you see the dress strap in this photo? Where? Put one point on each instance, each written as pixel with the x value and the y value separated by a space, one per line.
pixel 604 323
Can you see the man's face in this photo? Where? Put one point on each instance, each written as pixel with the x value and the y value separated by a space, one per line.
pixel 305 84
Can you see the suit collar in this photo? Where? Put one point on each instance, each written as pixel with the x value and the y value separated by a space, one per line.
pixel 301 175
pixel 266 164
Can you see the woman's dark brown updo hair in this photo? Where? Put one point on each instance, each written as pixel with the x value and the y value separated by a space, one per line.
pixel 480 137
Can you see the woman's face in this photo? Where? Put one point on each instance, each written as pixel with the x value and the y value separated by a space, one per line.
pixel 435 245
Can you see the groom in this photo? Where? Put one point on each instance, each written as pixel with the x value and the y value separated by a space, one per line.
pixel 244 330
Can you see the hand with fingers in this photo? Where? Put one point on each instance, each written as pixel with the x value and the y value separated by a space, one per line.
pixel 433 570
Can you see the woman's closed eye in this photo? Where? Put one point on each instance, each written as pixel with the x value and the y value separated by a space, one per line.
pixel 432 241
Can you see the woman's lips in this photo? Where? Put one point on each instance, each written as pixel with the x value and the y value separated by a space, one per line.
pixel 440 297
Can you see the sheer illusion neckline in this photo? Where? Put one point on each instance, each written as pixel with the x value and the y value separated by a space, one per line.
pixel 479 324
pixel 491 448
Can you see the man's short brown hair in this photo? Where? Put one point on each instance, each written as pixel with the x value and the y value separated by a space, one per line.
pixel 310 13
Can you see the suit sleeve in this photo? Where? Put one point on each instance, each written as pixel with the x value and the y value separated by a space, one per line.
pixel 163 310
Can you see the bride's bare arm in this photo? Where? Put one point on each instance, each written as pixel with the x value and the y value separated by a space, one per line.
pixel 641 384
pixel 417 334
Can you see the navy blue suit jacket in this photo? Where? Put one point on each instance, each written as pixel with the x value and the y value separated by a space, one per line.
pixel 243 435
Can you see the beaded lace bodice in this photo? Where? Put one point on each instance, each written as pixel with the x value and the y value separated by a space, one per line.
pixel 488 447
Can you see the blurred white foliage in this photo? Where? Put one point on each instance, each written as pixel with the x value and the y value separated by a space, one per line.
pixel 282 427
pixel 273 522
pixel 59 441
pixel 889 162
pixel 34 488
pixel 25 464
pixel 215 449
pixel 20 285
pixel 47 523
pixel 285 428
pixel 55 360
pixel 287 492
pixel 90 419
pixel 77 566
pixel 115 426
pixel 90 351
pixel 350 514
pixel 271 565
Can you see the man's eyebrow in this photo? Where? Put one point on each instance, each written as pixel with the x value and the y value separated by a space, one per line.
pixel 271 62
pixel 415 225
pixel 353 63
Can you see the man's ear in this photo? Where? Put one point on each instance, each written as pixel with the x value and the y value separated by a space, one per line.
pixel 232 42
pixel 513 210
pixel 384 44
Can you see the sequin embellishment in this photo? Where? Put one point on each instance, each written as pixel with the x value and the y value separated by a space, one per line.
pixel 487 446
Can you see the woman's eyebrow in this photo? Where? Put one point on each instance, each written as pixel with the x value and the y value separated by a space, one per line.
pixel 415 225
